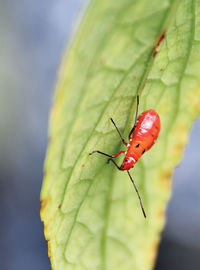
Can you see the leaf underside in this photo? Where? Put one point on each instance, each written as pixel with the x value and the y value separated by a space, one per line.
pixel 91 213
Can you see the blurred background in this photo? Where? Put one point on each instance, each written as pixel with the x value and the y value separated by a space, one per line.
pixel 33 36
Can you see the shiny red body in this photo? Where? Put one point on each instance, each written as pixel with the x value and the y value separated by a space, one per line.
pixel 143 137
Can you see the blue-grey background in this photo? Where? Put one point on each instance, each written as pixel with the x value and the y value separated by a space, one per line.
pixel 32 37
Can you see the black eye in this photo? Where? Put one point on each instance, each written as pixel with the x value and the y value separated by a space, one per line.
pixel 137 145
pixel 143 151
pixel 126 160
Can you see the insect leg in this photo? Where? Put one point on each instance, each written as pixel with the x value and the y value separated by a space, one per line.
pixel 124 142
pixel 137 194
pixel 110 157
pixel 116 155
pixel 99 152
pixel 136 116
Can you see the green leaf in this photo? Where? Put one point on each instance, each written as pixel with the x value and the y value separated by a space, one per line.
pixel 90 210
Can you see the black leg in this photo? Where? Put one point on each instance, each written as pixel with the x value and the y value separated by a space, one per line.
pixel 99 152
pixel 136 116
pixel 110 157
pixel 137 194
pixel 124 142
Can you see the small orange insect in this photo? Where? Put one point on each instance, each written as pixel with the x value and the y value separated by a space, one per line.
pixel 141 138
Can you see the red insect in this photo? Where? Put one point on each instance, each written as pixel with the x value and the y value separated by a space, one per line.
pixel 141 138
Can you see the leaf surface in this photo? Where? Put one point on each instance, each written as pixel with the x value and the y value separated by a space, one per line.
pixel 92 218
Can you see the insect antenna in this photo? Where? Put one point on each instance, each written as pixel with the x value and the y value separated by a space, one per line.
pixel 137 194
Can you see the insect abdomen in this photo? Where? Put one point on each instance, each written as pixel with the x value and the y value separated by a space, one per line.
pixel 147 129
